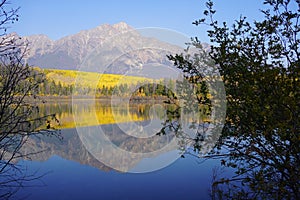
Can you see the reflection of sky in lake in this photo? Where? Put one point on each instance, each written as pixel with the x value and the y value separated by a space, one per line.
pixel 184 179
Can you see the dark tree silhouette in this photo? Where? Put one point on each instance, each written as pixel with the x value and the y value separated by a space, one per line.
pixel 19 111
pixel 260 67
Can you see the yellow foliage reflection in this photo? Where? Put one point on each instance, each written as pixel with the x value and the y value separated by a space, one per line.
pixel 88 113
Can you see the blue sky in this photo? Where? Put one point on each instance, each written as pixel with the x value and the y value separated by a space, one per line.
pixel 58 18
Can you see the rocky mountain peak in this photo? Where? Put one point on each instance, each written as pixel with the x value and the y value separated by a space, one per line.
pixel 122 26
pixel 71 51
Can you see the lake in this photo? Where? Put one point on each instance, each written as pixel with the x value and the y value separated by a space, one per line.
pixel 79 165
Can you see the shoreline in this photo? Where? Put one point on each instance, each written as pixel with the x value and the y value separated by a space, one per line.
pixel 137 99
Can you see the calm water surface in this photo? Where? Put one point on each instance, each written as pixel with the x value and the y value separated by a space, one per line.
pixel 72 172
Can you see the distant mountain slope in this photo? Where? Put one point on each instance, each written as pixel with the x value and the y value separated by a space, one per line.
pixel 90 79
pixel 106 48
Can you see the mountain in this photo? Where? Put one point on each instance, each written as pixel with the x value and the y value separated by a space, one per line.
pixel 107 49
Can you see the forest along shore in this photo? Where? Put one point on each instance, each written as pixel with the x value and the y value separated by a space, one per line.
pixel 108 99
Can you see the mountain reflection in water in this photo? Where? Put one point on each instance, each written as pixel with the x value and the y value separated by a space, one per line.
pixel 132 129
pixel 75 173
